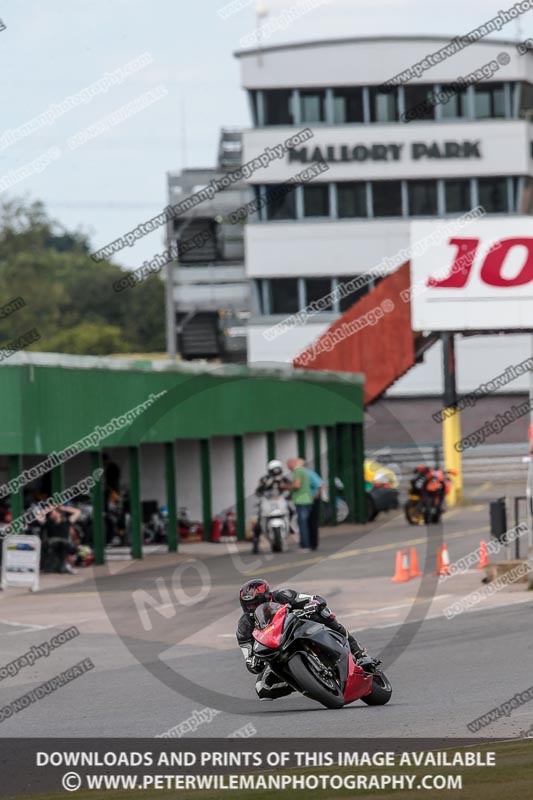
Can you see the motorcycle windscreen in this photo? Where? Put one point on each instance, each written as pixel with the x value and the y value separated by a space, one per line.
pixel 269 618
pixel 265 613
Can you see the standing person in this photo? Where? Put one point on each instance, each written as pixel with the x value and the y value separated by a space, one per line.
pixel 111 475
pixel 315 484
pixel 301 497
pixel 112 501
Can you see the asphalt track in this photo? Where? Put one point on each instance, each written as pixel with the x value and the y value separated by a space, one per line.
pixel 445 673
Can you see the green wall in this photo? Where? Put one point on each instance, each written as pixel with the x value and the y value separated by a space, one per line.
pixel 46 408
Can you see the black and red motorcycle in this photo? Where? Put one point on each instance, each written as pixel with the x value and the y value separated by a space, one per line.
pixel 315 660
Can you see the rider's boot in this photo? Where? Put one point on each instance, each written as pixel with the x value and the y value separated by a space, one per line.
pixel 361 657
pixel 356 649
pixel 269 687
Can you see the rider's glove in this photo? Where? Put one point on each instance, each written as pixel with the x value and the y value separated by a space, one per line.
pixel 316 604
pixel 254 664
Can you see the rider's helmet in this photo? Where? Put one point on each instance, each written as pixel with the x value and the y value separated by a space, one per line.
pixel 275 468
pixel 253 593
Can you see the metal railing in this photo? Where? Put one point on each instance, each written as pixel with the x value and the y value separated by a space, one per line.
pixel 483 463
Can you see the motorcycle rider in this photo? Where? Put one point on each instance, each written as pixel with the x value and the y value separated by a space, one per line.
pixel 430 484
pixel 435 480
pixel 255 592
pixel 436 485
pixel 274 481
pixel 420 478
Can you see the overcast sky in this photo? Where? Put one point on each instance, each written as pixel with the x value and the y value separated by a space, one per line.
pixel 51 50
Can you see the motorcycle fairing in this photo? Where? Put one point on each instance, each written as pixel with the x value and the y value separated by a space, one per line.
pixel 328 641
pixel 358 683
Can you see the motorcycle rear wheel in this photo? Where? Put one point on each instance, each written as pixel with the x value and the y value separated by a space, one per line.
pixel 342 510
pixel 381 691
pixel 371 511
pixel 311 684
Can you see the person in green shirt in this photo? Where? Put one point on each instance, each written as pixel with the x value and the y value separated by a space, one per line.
pixel 301 497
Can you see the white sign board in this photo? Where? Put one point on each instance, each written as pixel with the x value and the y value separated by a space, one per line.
pixel 381 152
pixel 479 278
pixel 21 557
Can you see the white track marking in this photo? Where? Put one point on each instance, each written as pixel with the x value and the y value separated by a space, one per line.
pixel 390 608
pixel 440 615
pixel 28 626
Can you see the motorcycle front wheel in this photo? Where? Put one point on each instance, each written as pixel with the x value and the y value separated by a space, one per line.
pixel 413 513
pixel 381 691
pixel 310 682
pixel 276 542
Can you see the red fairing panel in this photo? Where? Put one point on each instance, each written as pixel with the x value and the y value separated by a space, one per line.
pixel 271 635
pixel 357 684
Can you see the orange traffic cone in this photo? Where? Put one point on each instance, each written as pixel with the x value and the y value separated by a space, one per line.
pixel 483 555
pixel 401 573
pixel 443 561
pixel 414 569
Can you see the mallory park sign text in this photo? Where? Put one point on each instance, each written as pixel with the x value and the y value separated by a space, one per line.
pixel 339 154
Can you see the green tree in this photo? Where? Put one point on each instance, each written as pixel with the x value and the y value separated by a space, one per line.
pixel 88 338
pixel 68 297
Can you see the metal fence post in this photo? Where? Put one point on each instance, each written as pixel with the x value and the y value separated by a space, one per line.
pixel 57 478
pixel 358 464
pixel 135 502
pixel 98 510
pixel 16 499
pixel 238 450
pixel 271 445
pixel 348 477
pixel 205 467
pixel 170 480
pixel 302 444
pixel 317 466
pixel 332 472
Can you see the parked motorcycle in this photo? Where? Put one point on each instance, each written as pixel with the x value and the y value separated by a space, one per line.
pixel 189 529
pixel 341 506
pixel 427 491
pixel 315 660
pixel 274 517
pixel 381 495
pixel 155 523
